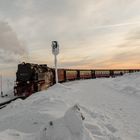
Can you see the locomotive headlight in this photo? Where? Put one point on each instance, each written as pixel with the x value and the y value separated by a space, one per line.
pixel 28 82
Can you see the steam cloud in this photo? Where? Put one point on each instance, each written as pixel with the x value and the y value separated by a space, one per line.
pixel 11 49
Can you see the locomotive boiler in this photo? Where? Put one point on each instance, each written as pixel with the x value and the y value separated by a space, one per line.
pixel 31 78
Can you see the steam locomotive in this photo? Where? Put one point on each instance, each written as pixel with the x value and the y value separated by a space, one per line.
pixel 31 78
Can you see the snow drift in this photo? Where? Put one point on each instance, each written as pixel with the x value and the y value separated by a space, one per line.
pixel 106 109
pixel 69 127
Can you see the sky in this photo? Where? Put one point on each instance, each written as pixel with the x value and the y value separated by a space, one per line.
pixel 91 33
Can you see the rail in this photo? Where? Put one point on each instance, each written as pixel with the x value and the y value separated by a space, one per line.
pixel 4 104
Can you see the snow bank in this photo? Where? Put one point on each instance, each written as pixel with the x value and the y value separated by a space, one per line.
pixel 11 134
pixel 110 112
pixel 127 84
pixel 7 88
pixel 69 127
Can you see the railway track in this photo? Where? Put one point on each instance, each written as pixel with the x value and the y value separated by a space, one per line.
pixel 4 104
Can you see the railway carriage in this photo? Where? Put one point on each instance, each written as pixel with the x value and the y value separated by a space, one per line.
pixel 85 74
pixel 102 73
pixel 71 75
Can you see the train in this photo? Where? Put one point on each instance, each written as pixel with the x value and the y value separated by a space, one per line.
pixel 31 78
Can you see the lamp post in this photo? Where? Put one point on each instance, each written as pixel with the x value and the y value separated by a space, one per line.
pixel 55 52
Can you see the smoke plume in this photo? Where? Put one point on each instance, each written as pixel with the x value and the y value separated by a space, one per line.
pixel 11 49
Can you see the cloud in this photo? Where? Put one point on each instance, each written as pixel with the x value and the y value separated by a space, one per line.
pixel 134 34
pixel 117 25
pixel 11 49
pixel 101 30
pixel 127 59
pixel 131 40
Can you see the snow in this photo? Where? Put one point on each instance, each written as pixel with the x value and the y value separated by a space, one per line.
pixel 7 88
pixel 96 109
pixel 69 127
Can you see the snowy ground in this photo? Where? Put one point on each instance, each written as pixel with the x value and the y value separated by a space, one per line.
pixel 110 108
pixel 7 88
